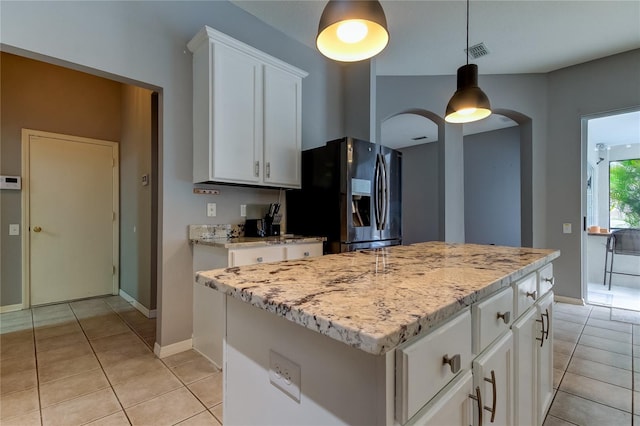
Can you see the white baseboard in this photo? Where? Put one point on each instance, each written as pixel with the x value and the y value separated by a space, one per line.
pixel 140 307
pixel 10 308
pixel 172 349
pixel 569 300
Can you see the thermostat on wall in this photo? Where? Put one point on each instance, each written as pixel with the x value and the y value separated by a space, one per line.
pixel 10 182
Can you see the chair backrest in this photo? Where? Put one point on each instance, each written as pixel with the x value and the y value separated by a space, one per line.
pixel 626 241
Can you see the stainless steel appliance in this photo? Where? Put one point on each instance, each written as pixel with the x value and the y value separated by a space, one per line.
pixel 351 194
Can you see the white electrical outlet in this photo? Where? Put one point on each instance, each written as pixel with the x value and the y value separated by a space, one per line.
pixel 211 209
pixel 243 210
pixel 284 374
pixel 566 228
pixel 14 229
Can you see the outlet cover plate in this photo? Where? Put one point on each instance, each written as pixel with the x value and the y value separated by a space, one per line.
pixel 211 209
pixel 284 374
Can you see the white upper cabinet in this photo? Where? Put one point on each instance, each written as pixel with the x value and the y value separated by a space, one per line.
pixel 247 114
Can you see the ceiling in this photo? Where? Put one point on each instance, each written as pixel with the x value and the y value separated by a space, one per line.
pixel 428 38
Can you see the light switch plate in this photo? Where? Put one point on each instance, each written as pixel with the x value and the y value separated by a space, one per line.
pixel 243 210
pixel 566 228
pixel 14 229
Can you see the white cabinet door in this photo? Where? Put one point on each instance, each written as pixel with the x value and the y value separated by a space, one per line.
pixel 282 128
pixel 452 407
pixel 545 353
pixel 493 374
pixel 525 359
pixel 252 256
pixel 303 251
pixel 236 116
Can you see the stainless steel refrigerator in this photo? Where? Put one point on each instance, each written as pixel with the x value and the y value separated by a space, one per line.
pixel 351 193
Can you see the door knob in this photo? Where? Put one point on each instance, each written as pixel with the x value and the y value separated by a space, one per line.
pixel 37 229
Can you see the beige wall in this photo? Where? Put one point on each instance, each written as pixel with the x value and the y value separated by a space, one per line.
pixel 39 96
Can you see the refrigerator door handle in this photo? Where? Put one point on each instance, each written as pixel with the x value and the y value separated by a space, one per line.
pixel 385 193
pixel 376 192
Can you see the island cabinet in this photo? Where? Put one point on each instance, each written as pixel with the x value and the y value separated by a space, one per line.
pixel 246 114
pixel 209 305
pixel 414 335
pixel 533 348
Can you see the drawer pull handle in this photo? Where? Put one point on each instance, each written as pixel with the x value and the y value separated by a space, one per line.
pixel 531 294
pixel 549 280
pixel 259 259
pixel 478 398
pixel 454 362
pixel 306 254
pixel 544 333
pixel 492 410
pixel 506 317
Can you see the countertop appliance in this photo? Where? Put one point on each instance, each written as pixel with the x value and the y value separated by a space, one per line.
pixel 267 226
pixel 351 193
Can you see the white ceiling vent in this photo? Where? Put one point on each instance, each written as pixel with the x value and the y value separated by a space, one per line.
pixel 477 51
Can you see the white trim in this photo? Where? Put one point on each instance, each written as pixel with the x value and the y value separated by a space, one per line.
pixel 569 300
pixel 139 306
pixel 10 308
pixel 26 213
pixel 172 349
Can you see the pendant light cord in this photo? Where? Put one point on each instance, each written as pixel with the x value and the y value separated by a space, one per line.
pixel 467 52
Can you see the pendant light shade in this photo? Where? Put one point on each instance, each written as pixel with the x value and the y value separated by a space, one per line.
pixel 352 30
pixel 469 103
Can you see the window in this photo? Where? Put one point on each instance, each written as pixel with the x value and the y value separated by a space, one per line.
pixel 624 194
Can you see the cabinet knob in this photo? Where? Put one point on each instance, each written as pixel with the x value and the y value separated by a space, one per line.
pixel 532 294
pixel 259 259
pixel 454 362
pixel 306 254
pixel 506 317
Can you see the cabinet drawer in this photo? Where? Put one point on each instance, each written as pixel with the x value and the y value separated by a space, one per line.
pixel 421 370
pixel 302 251
pixel 491 318
pixel 251 256
pixel 525 294
pixel 545 279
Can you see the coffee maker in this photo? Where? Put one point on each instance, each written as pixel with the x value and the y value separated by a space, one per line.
pixel 268 225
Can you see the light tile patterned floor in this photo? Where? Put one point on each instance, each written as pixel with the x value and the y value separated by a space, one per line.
pixel 596 367
pixel 90 362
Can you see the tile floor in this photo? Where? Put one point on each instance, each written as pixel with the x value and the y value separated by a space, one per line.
pixel 619 296
pixel 90 362
pixel 596 367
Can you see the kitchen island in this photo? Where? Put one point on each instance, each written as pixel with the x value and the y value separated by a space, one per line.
pixel 322 340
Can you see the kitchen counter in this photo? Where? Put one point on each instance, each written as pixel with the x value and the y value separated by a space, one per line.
pixel 243 242
pixel 377 299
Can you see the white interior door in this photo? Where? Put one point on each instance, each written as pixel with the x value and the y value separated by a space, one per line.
pixel 71 199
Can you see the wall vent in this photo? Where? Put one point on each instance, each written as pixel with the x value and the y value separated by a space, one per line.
pixel 477 51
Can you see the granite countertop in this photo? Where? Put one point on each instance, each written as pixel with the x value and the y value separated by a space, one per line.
pixel 374 300
pixel 243 242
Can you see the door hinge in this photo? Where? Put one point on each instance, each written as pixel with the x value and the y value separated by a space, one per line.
pixel 114 269
pixel 113 217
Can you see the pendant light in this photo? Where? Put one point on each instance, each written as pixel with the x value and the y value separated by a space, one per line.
pixel 469 103
pixel 352 30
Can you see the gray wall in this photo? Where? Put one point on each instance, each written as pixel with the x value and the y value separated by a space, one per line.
pixel 492 187
pixel 595 87
pixel 135 199
pixel 145 43
pixel 420 207
pixel 43 97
